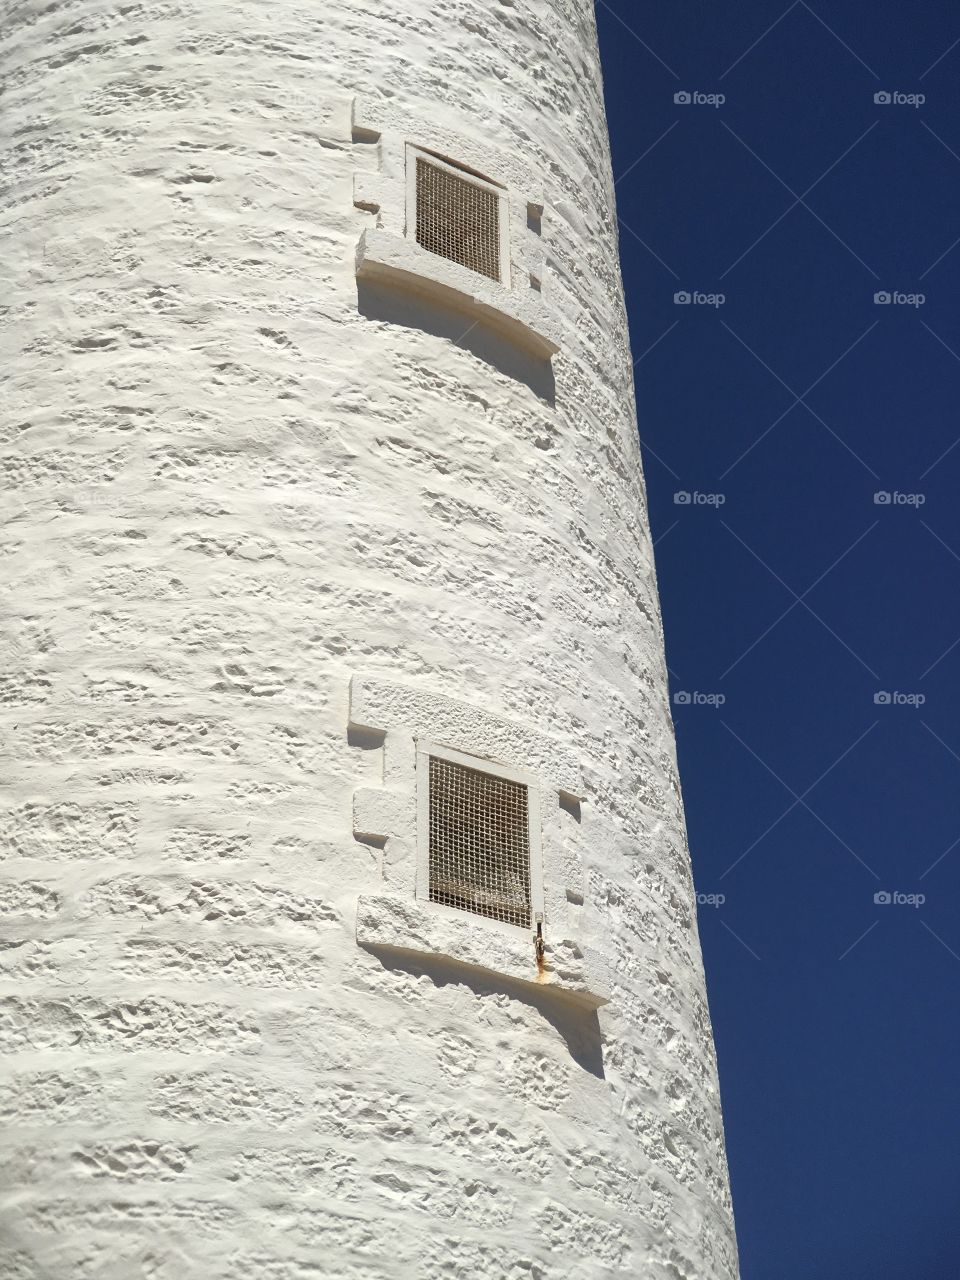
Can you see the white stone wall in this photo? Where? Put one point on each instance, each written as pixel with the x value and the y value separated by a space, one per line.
pixel 232 485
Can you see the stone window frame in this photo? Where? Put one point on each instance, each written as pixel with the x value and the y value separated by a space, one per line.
pixel 388 721
pixel 519 307
pixel 425 750
pixel 448 165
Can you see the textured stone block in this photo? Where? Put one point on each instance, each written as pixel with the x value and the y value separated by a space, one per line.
pixel 402 924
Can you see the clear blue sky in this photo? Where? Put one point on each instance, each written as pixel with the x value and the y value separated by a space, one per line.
pixel 799 599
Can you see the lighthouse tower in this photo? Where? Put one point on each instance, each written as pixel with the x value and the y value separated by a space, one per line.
pixel 346 914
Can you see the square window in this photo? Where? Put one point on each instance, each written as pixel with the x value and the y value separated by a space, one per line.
pixel 480 848
pixel 458 215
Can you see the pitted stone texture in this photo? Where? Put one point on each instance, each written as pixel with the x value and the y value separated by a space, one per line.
pixel 29 900
pixel 249 965
pixel 67 830
pixel 133 1161
pixel 223 1097
pixel 237 478
pixel 204 902
pixel 76 1093
pixel 136 1024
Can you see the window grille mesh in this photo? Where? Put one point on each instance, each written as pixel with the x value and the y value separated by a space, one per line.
pixel 479 843
pixel 458 219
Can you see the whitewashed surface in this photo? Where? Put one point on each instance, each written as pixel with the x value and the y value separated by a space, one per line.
pixel 229 487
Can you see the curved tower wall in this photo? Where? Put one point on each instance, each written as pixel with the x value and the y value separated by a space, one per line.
pixel 278 508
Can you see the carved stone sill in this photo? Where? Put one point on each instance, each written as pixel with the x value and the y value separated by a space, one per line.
pixel 383 256
pixel 405 924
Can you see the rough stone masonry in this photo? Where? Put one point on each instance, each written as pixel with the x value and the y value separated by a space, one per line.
pixel 287 495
